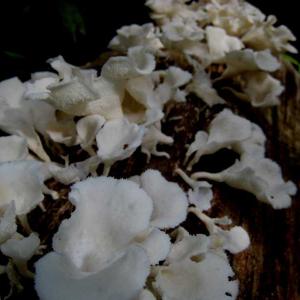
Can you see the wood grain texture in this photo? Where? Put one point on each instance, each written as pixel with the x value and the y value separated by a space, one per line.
pixel 270 268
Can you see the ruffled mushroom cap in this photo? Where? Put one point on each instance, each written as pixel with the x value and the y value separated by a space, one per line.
pixel 21 250
pixel 266 36
pixel 248 60
pixel 136 35
pixel 225 130
pixel 204 280
pixel 109 214
pixel 261 177
pixel 220 43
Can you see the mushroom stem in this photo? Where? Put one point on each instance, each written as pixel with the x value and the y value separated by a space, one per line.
pixel 23 268
pixel 54 195
pixel 161 154
pixel 207 175
pixel 194 160
pixel 24 223
pixel 188 180
pixel 106 169
pixel 13 278
pixel 209 223
pixel 42 207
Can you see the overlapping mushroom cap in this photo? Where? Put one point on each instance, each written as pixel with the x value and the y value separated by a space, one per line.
pixel 124 240
pixel 115 225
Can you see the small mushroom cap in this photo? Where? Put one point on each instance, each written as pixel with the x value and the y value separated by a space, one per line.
pixel 169 200
pixel 118 139
pixel 157 245
pixel 220 43
pixel 87 129
pixel 236 239
pixel 21 182
pixel 136 35
pixel 21 250
pixel 142 61
pixel 201 85
pixel 262 89
pixel 201 195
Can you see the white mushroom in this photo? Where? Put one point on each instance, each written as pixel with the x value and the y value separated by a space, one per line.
pixel 234 240
pixel 220 43
pixel 117 140
pixel 156 243
pixel 8 226
pixel 266 36
pixel 259 176
pixel 21 182
pixel 201 86
pixel 76 171
pixel 225 130
pixel 169 200
pixel 236 17
pixel 189 247
pixel 79 92
pixel 142 62
pixel 183 35
pixel 87 129
pixel 138 62
pixel 136 35
pixel 16 115
pixel 13 148
pixel 247 60
pixel 21 250
pixel 145 295
pixel 109 214
pixel 262 89
pixel 173 79
pixel 200 194
pixel 153 136
pixel 204 280
pixel 123 277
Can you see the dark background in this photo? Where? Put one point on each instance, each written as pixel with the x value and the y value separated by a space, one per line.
pixel 32 31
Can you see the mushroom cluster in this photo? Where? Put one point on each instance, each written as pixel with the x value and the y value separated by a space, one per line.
pixel 126 237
